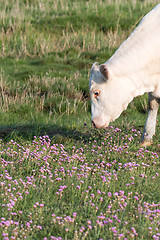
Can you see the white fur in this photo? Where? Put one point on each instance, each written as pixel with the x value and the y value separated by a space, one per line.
pixel 133 70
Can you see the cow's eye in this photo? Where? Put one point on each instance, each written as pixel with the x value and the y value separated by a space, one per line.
pixel 96 93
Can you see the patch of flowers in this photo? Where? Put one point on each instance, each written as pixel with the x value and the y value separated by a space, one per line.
pixel 105 189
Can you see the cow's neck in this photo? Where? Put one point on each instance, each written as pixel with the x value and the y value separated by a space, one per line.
pixel 135 83
pixel 141 81
pixel 136 61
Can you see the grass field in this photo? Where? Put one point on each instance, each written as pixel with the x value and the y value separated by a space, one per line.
pixel 59 178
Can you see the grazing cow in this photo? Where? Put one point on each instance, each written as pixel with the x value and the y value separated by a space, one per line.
pixel 133 70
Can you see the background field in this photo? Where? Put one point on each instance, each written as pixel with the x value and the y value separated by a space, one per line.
pixel 59 177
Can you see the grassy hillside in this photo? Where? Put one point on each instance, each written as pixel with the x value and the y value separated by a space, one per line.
pixel 59 178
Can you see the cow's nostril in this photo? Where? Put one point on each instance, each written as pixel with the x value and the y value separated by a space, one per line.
pixel 93 124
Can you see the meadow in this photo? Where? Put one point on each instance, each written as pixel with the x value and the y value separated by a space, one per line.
pixel 60 178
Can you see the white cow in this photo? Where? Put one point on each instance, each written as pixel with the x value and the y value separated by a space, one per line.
pixel 133 70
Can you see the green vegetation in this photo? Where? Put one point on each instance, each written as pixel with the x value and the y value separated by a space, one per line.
pixel 59 178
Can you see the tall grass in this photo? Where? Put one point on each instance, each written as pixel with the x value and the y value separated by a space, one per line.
pixel 38 28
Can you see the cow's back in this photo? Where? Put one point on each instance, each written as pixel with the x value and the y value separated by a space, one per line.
pixel 141 47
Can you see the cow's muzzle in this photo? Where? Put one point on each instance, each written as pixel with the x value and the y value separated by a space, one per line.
pixel 96 124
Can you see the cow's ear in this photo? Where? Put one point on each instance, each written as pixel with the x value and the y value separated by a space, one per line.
pixel 94 67
pixel 104 71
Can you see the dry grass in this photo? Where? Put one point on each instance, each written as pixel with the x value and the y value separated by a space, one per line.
pixel 39 94
pixel 19 37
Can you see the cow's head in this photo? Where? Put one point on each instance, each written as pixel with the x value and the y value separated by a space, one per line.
pixel 107 96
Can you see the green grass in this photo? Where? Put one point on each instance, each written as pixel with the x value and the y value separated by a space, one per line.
pixel 49 153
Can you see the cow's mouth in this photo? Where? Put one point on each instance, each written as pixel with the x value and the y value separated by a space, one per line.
pixel 95 124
